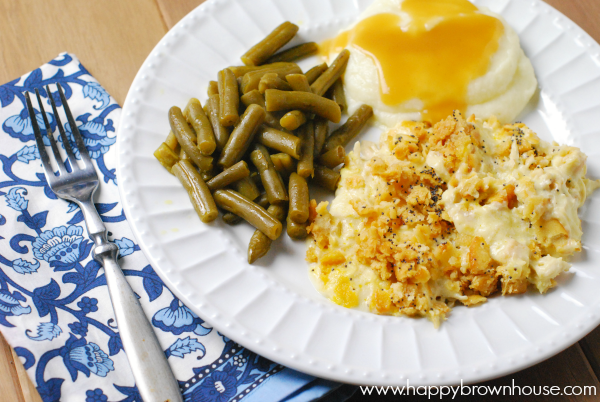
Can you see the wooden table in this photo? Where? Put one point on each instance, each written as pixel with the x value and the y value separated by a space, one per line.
pixel 112 38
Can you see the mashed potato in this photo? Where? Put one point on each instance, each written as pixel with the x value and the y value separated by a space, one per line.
pixel 419 60
pixel 450 213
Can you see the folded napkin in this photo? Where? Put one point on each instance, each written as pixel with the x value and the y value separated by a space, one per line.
pixel 54 305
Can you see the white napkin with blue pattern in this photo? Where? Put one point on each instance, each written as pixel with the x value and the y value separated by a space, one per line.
pixel 54 305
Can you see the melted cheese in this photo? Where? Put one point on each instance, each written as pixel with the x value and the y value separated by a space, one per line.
pixel 451 213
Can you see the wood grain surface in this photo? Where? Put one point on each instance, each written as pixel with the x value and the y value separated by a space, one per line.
pixel 112 38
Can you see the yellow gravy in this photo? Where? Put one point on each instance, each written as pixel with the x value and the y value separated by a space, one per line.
pixel 445 45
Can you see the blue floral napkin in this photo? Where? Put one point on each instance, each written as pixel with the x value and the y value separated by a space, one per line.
pixel 54 305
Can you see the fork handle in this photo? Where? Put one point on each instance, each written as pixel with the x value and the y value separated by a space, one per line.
pixel 152 373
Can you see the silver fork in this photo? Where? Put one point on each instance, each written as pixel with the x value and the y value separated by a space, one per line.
pixel 152 373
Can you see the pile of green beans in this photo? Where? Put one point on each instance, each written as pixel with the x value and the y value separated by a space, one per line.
pixel 261 138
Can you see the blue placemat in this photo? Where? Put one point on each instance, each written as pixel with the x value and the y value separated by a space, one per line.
pixel 54 305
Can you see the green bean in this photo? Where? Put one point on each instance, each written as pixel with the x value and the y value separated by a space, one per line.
pixel 272 120
pixel 256 98
pixel 279 141
pixel 242 136
pixel 194 114
pixel 263 200
pixel 307 136
pixel 213 88
pixel 333 158
pixel 284 164
pixel 329 94
pixel 233 219
pixel 185 138
pixel 298 82
pixel 240 71
pixel 292 120
pixel 315 72
pixel 339 95
pixel 255 176
pixel 251 80
pixel 230 98
pixel 272 81
pixel 239 84
pixel 234 173
pixel 296 230
pixel 335 71
pixel 207 175
pixel 263 50
pixel 326 177
pixel 253 97
pixel 321 134
pixel 166 156
pixel 259 243
pixel 295 53
pixel 197 190
pixel 285 100
pixel 247 188
pixel 295 118
pixel 171 142
pixel 269 176
pixel 298 191
pixel 253 213
pixel 212 110
pixel 258 246
pixel 347 131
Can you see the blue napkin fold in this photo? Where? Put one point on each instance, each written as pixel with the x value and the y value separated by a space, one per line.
pixel 54 305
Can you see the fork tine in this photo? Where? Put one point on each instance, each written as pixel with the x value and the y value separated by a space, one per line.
pixel 57 157
pixel 85 156
pixel 40 142
pixel 63 135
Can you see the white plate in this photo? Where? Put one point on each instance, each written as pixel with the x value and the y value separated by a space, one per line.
pixel 271 307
